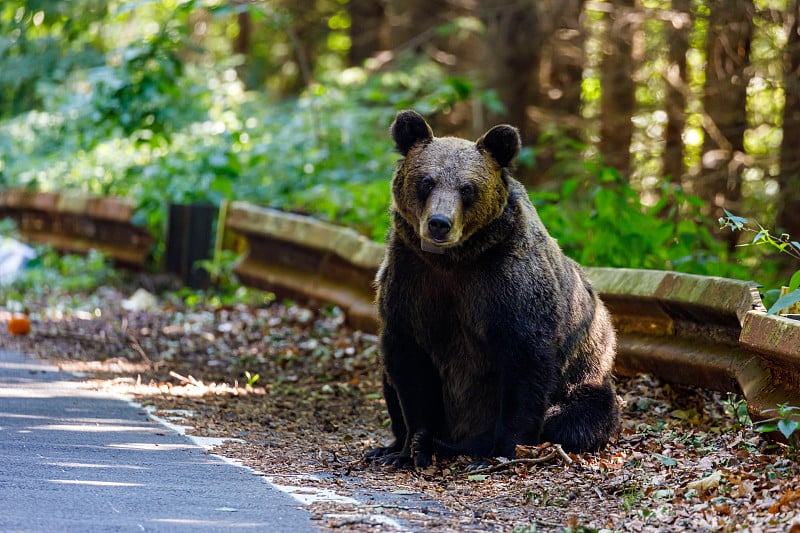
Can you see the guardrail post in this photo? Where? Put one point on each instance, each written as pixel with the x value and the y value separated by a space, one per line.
pixel 189 239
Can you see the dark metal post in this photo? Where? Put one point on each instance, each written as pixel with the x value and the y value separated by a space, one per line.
pixel 189 239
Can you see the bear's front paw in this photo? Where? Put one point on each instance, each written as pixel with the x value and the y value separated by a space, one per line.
pixel 505 449
pixel 381 452
pixel 397 460
pixel 422 459
pixel 422 449
pixel 478 465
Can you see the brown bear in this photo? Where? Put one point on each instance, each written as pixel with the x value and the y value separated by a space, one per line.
pixel 490 336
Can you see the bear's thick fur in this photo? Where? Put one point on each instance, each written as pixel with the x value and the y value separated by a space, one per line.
pixel 490 336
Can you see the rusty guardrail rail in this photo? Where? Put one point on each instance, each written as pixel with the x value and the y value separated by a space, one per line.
pixel 308 260
pixel 704 331
pixel 78 223
pixel 695 330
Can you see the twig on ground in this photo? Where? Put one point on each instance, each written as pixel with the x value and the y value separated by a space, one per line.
pixel 557 450
pixel 563 454
pixel 138 348
pixel 512 462
pixel 183 379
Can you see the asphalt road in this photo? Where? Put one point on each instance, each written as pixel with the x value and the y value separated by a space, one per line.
pixel 72 459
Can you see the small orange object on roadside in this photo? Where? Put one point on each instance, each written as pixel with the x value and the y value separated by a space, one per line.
pixel 19 324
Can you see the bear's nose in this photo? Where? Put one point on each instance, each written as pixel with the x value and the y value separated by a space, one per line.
pixel 439 226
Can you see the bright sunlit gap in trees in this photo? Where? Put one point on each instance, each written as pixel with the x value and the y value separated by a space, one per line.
pixel 655 74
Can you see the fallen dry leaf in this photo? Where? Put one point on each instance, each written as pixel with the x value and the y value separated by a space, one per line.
pixel 787 498
pixel 706 484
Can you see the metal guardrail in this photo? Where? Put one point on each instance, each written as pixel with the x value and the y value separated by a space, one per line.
pixel 78 223
pixel 308 260
pixel 704 331
pixel 695 330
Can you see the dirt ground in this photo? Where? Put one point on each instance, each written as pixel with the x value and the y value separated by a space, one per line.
pixel 299 392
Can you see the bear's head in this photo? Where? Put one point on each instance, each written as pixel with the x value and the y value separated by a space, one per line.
pixel 448 188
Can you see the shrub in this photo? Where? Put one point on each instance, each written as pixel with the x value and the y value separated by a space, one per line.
pixel 599 219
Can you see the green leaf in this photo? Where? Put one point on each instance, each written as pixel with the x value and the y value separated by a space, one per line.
pixel 767 428
pixel 735 222
pixel 569 187
pixel 477 477
pixel 760 237
pixel 666 461
pixel 794 282
pixel 784 301
pixel 787 427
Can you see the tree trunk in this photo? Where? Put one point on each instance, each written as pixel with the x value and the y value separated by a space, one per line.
pixel 558 96
pixel 413 23
pixel 241 46
pixel 307 36
pixel 555 98
pixel 728 50
pixel 789 179
pixel 367 23
pixel 617 99
pixel 513 45
pixel 678 37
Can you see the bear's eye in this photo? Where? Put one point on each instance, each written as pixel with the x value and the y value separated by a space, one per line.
pixel 468 193
pixel 426 185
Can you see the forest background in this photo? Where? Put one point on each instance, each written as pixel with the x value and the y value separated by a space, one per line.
pixel 643 120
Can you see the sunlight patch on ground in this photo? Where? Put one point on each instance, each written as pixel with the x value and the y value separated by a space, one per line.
pixel 96 428
pixel 94 465
pixel 27 417
pixel 152 447
pixel 206 523
pixel 30 367
pixel 188 387
pixel 310 495
pixel 94 483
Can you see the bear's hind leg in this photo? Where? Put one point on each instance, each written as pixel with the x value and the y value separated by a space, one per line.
pixel 585 419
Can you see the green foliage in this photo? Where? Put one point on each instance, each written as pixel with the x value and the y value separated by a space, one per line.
pixel 225 288
pixel 599 219
pixel 43 41
pixel 736 408
pixel 142 91
pixel 252 379
pixel 220 269
pixel 218 296
pixel 783 244
pixel 786 421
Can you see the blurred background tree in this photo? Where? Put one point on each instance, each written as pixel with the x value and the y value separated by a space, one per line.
pixel 667 109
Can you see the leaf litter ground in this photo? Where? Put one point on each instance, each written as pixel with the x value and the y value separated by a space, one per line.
pixel 299 392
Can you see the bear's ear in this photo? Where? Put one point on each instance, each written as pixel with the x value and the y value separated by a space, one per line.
pixel 502 143
pixel 408 129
